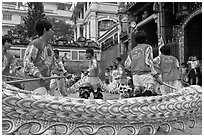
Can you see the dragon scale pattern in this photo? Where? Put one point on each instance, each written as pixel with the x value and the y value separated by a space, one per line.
pixel 66 115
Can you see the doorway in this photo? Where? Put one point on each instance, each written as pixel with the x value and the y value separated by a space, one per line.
pixel 193 38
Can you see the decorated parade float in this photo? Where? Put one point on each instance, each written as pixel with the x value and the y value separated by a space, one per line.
pixel 38 114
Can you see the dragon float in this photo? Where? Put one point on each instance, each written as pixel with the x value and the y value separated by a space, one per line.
pixel 68 115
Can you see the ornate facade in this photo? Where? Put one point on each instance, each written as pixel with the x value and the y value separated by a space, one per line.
pixel 179 24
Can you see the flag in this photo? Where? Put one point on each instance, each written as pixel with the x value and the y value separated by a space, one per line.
pixel 160 44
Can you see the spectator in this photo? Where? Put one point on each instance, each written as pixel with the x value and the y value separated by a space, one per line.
pixel 107 76
pixel 64 58
pixel 195 76
pixel 111 71
pixel 184 74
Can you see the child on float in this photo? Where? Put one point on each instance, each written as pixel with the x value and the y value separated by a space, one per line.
pixel 92 77
pixel 169 70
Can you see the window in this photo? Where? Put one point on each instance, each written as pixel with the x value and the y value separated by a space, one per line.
pixel 81 30
pixel 15 52
pixel 82 13
pixel 85 29
pixel 86 6
pixel 61 6
pixel 82 55
pixel 22 53
pixel 74 55
pixel 66 55
pixel 89 29
pixel 10 3
pixel 7 17
pixel 116 38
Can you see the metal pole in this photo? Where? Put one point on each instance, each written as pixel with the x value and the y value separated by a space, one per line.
pixel 35 79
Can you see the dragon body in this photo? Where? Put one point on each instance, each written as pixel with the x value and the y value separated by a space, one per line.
pixel 67 115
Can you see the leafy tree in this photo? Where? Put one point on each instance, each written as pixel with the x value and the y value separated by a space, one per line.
pixel 62 30
pixel 20 32
pixel 35 12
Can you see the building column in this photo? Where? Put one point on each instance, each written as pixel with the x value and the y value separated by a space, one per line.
pixel 161 22
pixel 94 27
pixel 119 40
pixel 78 31
pixel 75 33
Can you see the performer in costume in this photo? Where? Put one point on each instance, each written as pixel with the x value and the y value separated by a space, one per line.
pixel 39 59
pixel 140 62
pixel 169 69
pixel 92 77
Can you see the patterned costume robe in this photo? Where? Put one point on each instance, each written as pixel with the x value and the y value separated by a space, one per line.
pixel 38 61
pixel 169 70
pixel 140 62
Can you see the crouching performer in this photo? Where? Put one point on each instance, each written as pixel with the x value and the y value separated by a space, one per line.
pixel 39 59
pixel 91 82
pixel 140 62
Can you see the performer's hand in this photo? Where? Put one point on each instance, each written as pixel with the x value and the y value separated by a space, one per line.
pixel 69 76
pixel 42 78
pixel 86 73
pixel 158 78
pixel 39 75
pixel 65 73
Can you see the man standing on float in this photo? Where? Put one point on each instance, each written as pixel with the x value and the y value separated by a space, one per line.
pixel 39 59
pixel 140 62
